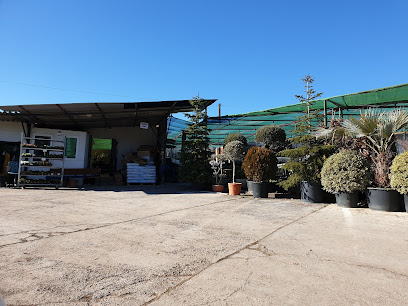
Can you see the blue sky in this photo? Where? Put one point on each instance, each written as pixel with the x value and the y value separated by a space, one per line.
pixel 250 55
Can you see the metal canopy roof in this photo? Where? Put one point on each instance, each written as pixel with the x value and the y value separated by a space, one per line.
pixel 286 116
pixel 81 116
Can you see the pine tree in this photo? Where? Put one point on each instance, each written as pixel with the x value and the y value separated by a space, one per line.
pixel 308 152
pixel 195 154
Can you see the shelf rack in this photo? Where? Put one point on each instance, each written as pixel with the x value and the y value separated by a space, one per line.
pixel 47 180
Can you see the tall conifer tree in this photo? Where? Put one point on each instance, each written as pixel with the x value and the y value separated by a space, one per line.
pixel 308 151
pixel 195 153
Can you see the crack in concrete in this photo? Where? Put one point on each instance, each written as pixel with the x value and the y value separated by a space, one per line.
pixel 261 248
pixel 241 288
pixel 115 223
pixel 168 290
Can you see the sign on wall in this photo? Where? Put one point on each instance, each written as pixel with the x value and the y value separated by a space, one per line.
pixel 144 125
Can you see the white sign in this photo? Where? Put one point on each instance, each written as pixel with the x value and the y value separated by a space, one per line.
pixel 144 125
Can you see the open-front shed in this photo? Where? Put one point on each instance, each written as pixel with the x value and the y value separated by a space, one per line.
pixel 97 135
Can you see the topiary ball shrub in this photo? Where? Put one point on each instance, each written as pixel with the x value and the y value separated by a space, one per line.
pixel 236 136
pixel 346 171
pixel 399 173
pixel 273 137
pixel 260 164
pixel 234 150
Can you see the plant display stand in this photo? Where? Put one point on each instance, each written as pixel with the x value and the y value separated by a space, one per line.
pixel 41 165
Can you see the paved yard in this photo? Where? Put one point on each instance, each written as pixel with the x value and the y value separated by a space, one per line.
pixel 134 247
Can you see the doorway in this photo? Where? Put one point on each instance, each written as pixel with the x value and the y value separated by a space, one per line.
pixel 104 155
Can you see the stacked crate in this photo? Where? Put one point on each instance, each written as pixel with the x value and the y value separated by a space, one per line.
pixel 137 174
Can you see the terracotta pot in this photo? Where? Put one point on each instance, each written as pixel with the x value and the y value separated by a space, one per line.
pixel 234 188
pixel 218 188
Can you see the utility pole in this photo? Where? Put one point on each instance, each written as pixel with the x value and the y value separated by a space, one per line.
pixel 219 110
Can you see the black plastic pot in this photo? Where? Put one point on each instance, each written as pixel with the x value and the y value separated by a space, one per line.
pixel 383 199
pixel 406 202
pixel 260 190
pixel 311 192
pixel 249 185
pixel 346 199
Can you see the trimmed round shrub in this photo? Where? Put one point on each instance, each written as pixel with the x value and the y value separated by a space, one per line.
pixel 234 150
pixel 346 171
pixel 260 164
pixel 236 136
pixel 273 137
pixel 399 173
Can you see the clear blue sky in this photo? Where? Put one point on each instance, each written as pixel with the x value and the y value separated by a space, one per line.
pixel 250 55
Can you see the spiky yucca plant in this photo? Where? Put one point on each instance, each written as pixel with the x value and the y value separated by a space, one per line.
pixel 379 130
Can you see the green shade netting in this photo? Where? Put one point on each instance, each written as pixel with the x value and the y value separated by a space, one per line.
pixel 350 105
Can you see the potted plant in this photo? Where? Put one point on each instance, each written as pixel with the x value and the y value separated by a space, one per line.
pixel 217 163
pixel 399 176
pixel 234 150
pixel 261 165
pixel 378 130
pixel 236 136
pixel 345 174
pixel 307 152
pixel 272 137
pixel 238 176
pixel 195 152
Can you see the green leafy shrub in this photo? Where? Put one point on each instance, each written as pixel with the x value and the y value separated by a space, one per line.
pixel 236 136
pixel 399 173
pixel 273 137
pixel 234 150
pixel 346 171
pixel 260 164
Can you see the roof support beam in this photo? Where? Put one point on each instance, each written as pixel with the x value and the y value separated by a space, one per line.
pixel 103 115
pixel 69 116
pixel 167 116
pixel 30 115
pixel 135 114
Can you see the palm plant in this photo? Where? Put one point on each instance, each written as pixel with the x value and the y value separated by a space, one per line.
pixel 379 130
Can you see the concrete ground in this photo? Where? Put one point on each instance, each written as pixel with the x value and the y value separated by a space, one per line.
pixel 174 247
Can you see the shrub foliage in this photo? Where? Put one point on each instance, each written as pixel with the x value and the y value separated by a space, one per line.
pixel 234 150
pixel 236 136
pixel 195 153
pixel 273 137
pixel 260 164
pixel 399 173
pixel 346 171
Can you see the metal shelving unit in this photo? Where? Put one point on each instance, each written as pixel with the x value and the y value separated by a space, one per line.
pixel 28 165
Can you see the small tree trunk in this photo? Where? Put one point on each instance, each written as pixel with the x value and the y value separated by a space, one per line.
pixel 233 171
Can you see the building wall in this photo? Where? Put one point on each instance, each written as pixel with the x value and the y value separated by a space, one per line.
pixel 11 132
pixel 128 138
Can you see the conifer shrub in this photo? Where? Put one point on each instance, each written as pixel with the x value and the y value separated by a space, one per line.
pixel 346 171
pixel 236 136
pixel 260 164
pixel 273 137
pixel 399 173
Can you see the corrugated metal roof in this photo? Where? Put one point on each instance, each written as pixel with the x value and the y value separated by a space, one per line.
pixel 93 115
